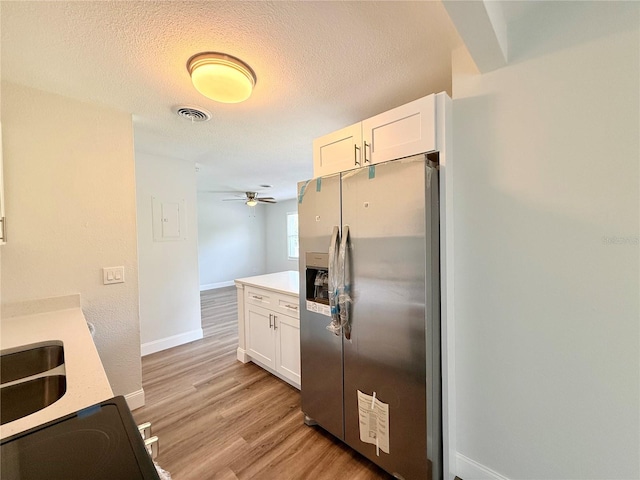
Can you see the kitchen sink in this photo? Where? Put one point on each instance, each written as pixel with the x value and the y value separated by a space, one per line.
pixel 24 398
pixel 29 362
pixel 31 378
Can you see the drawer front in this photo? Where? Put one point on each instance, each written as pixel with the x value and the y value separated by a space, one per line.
pixel 286 304
pixel 258 296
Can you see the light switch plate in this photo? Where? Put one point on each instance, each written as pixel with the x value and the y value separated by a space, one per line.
pixel 112 275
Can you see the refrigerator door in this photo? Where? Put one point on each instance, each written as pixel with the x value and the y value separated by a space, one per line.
pixel 388 354
pixel 320 350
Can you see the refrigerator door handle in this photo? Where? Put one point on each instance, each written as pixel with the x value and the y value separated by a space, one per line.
pixel 334 284
pixel 344 297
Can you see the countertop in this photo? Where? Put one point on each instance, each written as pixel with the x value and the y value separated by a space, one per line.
pixel 87 381
pixel 283 282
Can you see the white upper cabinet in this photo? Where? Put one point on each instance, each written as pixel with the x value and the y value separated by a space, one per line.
pixel 403 131
pixel 338 151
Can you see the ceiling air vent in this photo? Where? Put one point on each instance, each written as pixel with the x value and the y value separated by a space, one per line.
pixel 194 114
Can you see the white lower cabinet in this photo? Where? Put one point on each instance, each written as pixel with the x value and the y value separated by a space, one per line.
pixel 261 341
pixel 288 347
pixel 273 339
pixel 269 331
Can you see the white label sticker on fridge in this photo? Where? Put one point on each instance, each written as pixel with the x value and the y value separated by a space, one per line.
pixel 374 421
pixel 320 308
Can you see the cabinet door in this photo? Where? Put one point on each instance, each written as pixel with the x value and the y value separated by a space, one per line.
pixel 261 344
pixel 288 347
pixel 3 236
pixel 338 151
pixel 400 132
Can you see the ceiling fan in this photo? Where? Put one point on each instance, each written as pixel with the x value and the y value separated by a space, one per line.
pixel 251 199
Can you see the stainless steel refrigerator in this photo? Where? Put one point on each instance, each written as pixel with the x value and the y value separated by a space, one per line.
pixel 370 312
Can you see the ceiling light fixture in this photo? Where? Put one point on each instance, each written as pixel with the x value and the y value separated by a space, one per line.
pixel 221 77
pixel 252 202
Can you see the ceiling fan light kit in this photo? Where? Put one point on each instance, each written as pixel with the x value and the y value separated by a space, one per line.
pixel 221 77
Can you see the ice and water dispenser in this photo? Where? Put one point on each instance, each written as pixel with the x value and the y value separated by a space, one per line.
pixel 317 275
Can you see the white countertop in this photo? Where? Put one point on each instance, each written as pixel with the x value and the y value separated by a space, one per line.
pixel 283 282
pixel 87 381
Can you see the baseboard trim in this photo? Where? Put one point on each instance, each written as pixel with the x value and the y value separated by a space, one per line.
pixel 471 470
pixel 169 342
pixel 213 286
pixel 135 399
pixel 242 356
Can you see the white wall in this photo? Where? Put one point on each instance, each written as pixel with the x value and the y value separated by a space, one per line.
pixel 546 201
pixel 276 236
pixel 70 205
pixel 231 240
pixel 168 270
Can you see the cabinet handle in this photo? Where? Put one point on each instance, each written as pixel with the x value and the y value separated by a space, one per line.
pixel 270 325
pixel 292 307
pixel 3 236
pixel 275 327
pixel 257 297
pixel 356 149
pixel 365 152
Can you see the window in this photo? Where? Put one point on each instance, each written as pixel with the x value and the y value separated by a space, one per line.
pixel 292 235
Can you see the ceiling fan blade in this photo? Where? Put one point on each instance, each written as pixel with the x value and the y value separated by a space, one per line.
pixel 245 197
pixel 228 192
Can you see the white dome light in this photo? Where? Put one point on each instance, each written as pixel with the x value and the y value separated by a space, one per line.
pixel 221 77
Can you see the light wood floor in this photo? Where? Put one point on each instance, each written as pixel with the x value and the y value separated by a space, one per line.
pixel 220 419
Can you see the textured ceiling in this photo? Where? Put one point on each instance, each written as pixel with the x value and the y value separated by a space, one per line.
pixel 320 66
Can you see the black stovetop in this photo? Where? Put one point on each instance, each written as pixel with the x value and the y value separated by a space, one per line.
pixel 100 442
